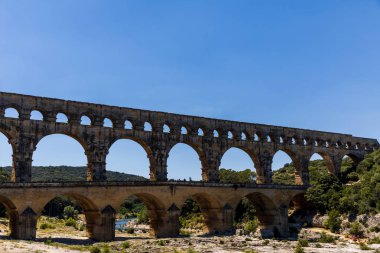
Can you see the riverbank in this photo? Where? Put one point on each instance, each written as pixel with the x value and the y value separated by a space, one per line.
pixel 143 242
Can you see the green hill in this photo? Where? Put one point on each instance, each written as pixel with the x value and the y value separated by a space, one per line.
pixel 67 173
pixel 357 190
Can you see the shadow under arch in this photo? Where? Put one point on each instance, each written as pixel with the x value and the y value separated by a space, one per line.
pixel 90 210
pixel 155 208
pixel 200 153
pixel 264 207
pixel 253 158
pixel 209 207
pixel 148 151
pixel 13 215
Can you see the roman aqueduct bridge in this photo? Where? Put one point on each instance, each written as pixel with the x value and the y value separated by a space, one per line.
pixel 210 138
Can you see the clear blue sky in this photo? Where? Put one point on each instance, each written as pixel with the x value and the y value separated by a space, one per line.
pixel 307 64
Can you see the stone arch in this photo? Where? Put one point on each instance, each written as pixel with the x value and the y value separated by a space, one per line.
pixel 143 145
pixel 13 215
pixel 12 110
pixel 198 150
pixel 299 169
pixel 85 120
pixel 9 138
pixel 266 212
pixel 155 207
pixel 77 139
pixel 253 158
pixel 210 208
pixel 328 160
pixel 65 117
pixel 36 114
pixel 90 209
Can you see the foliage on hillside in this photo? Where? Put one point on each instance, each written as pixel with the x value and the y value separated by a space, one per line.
pixel 66 173
pixel 357 192
pixel 317 169
pixel 231 176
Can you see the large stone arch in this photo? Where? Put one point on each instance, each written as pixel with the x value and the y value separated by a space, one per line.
pixel 301 173
pixel 328 160
pixel 198 150
pixel 90 209
pixel 13 215
pixel 69 134
pixel 252 155
pixel 86 150
pixel 144 145
pixel 210 207
pixel 157 210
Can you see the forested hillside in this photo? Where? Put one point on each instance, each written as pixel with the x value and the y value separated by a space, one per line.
pixel 66 173
pixel 357 191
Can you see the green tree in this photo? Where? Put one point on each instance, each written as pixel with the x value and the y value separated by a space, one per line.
pixel 70 212
pixel 232 176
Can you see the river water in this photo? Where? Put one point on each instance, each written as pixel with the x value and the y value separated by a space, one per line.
pixel 121 224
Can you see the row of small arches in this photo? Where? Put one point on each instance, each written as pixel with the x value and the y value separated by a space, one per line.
pixel 107 122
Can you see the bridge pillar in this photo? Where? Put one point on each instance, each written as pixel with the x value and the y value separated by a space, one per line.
pixel 101 225
pixel 302 173
pixel 96 156
pixel 274 223
pixel 210 173
pixel 166 223
pixel 159 158
pixel 337 163
pixel 264 173
pixel 27 225
pixel 22 159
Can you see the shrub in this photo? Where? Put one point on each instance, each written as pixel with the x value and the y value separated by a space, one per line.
pixel 130 230
pixel 70 212
pixel 333 221
pixel 375 240
pixel 48 241
pixel 318 245
pixel 46 225
pixel 70 222
pixel 326 238
pixel 251 226
pixel 303 242
pixel 125 245
pixel 356 229
pixel 364 246
pixel 161 242
pixel 299 249
pixel 95 249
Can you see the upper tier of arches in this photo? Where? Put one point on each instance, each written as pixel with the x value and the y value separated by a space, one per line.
pixel 52 110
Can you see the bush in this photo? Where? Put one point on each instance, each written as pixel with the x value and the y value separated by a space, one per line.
pixel 303 242
pixel 95 249
pixel 356 229
pixel 46 225
pixel 299 249
pixel 251 226
pixel 70 222
pixel 326 238
pixel 333 221
pixel 364 246
pixel 125 245
pixel 70 212
pixel 130 230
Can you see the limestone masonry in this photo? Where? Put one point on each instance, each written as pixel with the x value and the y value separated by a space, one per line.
pixel 211 138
